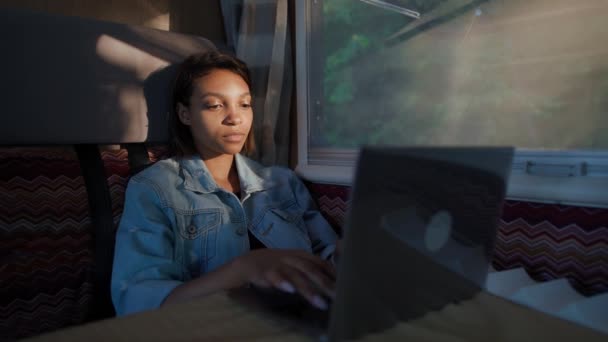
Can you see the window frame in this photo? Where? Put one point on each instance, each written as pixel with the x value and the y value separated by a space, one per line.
pixel 568 177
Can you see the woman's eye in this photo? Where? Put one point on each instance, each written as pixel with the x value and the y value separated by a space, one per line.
pixel 246 105
pixel 213 106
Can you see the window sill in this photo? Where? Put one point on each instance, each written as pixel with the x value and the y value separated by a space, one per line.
pixel 584 191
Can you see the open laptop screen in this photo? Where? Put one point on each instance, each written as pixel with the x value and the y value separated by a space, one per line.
pixel 419 233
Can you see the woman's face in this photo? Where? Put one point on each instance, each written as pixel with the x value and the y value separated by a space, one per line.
pixel 219 114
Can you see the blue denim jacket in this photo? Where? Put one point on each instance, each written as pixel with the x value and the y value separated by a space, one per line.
pixel 178 224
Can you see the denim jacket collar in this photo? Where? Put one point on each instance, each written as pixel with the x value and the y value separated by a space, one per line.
pixel 198 178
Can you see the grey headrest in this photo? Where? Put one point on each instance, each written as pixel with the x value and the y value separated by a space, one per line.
pixel 70 80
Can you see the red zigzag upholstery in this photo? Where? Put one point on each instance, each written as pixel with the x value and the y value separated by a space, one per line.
pixel 549 241
pixel 46 266
pixel 555 241
pixel 46 247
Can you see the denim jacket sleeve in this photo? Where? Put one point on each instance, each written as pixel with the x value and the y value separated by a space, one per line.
pixel 322 236
pixel 145 270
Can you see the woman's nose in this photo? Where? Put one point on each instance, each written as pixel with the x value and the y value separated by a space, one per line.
pixel 233 117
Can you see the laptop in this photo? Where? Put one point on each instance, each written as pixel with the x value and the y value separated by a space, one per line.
pixel 419 235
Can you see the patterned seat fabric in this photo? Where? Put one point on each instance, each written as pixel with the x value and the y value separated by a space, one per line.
pixel 46 257
pixel 549 241
pixel 116 164
pixel 46 247
pixel 555 241
pixel 46 266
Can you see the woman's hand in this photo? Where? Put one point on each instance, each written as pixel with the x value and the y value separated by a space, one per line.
pixel 290 271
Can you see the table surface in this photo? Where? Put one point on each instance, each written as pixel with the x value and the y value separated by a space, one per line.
pixel 222 317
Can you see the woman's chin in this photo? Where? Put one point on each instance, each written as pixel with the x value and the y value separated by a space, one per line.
pixel 233 149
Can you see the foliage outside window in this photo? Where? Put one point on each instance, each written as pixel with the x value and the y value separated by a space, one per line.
pixel 527 73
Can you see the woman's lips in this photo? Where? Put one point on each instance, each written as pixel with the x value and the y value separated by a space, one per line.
pixel 234 137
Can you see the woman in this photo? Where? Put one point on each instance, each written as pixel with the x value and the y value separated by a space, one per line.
pixel 199 223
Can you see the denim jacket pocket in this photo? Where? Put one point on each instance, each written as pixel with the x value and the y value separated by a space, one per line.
pixel 282 226
pixel 198 231
pixel 289 216
pixel 198 224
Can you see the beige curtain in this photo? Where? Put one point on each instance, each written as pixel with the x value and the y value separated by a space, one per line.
pixel 262 40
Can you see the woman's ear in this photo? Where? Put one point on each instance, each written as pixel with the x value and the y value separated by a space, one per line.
pixel 184 114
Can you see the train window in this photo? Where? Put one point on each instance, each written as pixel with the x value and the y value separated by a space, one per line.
pixel 526 73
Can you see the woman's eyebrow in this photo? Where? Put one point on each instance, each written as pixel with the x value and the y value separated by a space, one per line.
pixel 203 95
pixel 222 95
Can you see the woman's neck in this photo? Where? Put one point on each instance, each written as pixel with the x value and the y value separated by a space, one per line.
pixel 224 172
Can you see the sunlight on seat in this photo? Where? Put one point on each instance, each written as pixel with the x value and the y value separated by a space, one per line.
pixel 131 100
pixel 128 57
pixel 160 22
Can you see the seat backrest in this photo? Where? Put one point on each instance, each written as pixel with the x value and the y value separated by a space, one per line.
pixel 72 80
pixel 70 85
